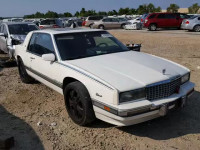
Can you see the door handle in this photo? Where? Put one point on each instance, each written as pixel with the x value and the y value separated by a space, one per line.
pixel 32 58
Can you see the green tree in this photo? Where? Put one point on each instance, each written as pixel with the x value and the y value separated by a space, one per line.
pixel 112 13
pixel 173 8
pixel 67 14
pixel 102 13
pixel 51 14
pixel 150 8
pixel 142 9
pixel 77 14
pixel 158 9
pixel 82 12
pixel 194 8
pixel 39 15
pixel 124 11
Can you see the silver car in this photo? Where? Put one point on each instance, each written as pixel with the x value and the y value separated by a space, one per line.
pixel 12 34
pixel 110 23
pixel 192 23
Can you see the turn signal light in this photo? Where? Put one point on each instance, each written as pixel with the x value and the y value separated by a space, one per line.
pixel 106 108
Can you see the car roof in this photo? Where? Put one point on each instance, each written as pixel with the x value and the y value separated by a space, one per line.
pixel 66 30
pixel 13 23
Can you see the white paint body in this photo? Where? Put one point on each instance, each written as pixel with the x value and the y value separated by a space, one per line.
pixel 107 75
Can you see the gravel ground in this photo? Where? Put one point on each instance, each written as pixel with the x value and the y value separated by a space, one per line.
pixel 35 115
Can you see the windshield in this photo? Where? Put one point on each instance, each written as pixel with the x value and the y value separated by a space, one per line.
pixel 86 44
pixel 21 29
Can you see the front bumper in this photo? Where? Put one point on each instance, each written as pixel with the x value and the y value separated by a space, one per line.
pixel 145 110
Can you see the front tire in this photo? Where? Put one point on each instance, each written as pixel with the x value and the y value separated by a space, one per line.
pixel 152 27
pixel 197 28
pixel 22 72
pixel 78 103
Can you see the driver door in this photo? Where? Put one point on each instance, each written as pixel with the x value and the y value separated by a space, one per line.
pixel 3 39
pixel 44 71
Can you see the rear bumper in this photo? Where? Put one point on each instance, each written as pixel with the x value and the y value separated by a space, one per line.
pixel 186 27
pixel 147 110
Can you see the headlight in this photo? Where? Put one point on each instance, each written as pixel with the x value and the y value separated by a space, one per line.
pixel 132 95
pixel 185 78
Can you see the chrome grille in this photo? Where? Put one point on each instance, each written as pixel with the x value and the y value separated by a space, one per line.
pixel 163 89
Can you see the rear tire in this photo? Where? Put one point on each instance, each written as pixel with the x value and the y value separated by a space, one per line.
pixel 101 27
pixel 197 28
pixel 152 27
pixel 123 26
pixel 91 26
pixel 78 103
pixel 22 72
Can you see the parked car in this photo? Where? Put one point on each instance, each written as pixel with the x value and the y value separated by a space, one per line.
pixel 164 20
pixel 77 21
pixel 90 20
pixel 13 20
pixel 89 67
pixel 109 23
pixel 12 34
pixel 50 23
pixel 136 20
pixel 143 17
pixel 192 24
pixel 134 24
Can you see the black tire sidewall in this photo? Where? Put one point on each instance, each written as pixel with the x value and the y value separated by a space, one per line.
pixel 196 27
pixel 101 27
pixel 150 27
pixel 22 72
pixel 84 98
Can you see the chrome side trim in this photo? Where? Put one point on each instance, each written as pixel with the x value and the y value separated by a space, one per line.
pixel 85 75
pixel 56 83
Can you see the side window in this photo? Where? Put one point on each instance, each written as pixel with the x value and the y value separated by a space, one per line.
pixel 107 20
pixel 43 44
pixel 170 16
pixel 31 46
pixel 161 16
pixel 114 20
pixel 152 16
pixel 198 18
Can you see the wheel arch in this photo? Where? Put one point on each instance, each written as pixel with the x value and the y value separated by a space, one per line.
pixel 195 25
pixel 68 80
pixel 101 25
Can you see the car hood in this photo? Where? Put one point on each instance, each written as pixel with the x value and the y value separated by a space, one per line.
pixel 129 70
pixel 18 37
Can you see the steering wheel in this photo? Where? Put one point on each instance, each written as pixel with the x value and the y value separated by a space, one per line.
pixel 102 45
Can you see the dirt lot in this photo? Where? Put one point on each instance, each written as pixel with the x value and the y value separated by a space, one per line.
pixel 23 106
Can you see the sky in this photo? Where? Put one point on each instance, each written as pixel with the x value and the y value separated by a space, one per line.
pixel 19 8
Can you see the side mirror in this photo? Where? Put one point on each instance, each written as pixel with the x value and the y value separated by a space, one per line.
pixel 49 57
pixel 134 47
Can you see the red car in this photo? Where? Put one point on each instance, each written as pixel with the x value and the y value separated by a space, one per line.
pixel 164 20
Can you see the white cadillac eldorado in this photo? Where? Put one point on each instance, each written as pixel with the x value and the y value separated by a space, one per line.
pixel 101 78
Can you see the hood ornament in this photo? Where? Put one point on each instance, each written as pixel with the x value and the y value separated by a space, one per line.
pixel 164 71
